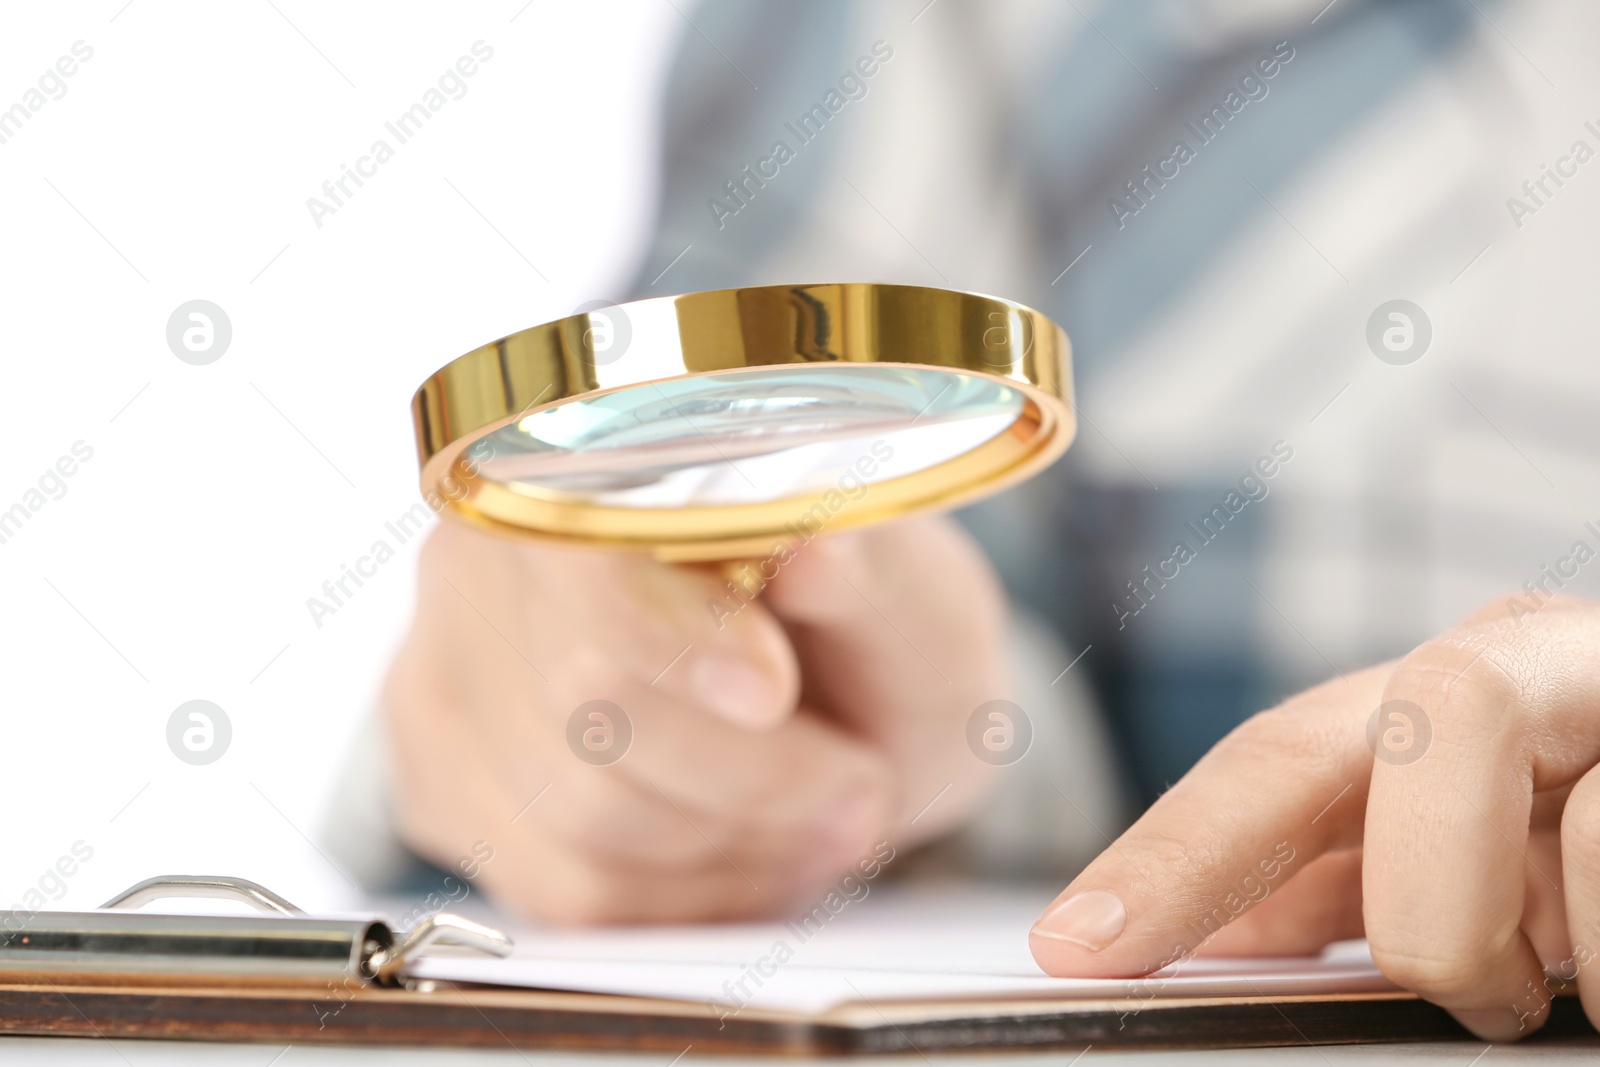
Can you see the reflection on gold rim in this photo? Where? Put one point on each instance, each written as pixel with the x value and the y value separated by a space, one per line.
pixel 727 331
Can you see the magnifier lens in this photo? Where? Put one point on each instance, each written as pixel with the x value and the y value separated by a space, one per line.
pixel 748 437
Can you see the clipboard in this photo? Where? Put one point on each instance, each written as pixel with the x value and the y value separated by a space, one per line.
pixel 286 977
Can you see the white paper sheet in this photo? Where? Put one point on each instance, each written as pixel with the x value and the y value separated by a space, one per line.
pixel 895 945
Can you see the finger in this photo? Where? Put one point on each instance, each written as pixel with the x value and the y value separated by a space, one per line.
pixel 913 602
pixel 458 791
pixel 1580 847
pixel 1279 791
pixel 670 785
pixel 805 784
pixel 1321 904
pixel 803 797
pixel 801 784
pixel 901 634
pixel 452 800
pixel 560 884
pixel 571 615
pixel 775 869
pixel 1510 704
pixel 598 812
pixel 1544 909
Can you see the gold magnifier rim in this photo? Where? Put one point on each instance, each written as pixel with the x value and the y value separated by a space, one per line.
pixel 729 332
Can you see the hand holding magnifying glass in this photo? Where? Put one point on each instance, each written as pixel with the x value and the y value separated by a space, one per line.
pixel 649 740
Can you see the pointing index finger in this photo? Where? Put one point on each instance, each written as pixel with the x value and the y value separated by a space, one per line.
pixel 1282 789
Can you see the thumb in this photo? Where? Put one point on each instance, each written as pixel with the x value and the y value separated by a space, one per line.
pixel 736 664
pixel 893 622
pixel 603 619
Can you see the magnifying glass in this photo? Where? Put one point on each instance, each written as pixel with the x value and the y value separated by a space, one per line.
pixel 722 425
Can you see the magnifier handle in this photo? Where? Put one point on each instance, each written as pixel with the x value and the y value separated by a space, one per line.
pixel 751 574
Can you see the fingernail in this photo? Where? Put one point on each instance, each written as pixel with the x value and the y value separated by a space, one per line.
pixel 1093 919
pixel 734 688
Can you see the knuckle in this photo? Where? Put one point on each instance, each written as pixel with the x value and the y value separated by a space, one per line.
pixel 593 809
pixel 1447 975
pixel 1451 655
pixel 1580 825
pixel 540 876
pixel 1185 855
pixel 835 823
pixel 602 819
pixel 1462 675
pixel 871 809
pixel 877 786
pixel 583 897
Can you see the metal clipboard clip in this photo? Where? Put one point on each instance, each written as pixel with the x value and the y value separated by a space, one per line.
pixel 114 945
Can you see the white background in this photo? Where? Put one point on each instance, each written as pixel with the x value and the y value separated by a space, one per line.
pixel 219 498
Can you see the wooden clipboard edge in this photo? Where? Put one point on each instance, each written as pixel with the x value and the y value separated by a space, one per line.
pixel 490 1017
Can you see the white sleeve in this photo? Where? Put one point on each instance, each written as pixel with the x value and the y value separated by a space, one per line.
pixel 360 831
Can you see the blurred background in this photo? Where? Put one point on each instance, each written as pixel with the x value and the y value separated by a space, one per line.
pixel 1369 266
